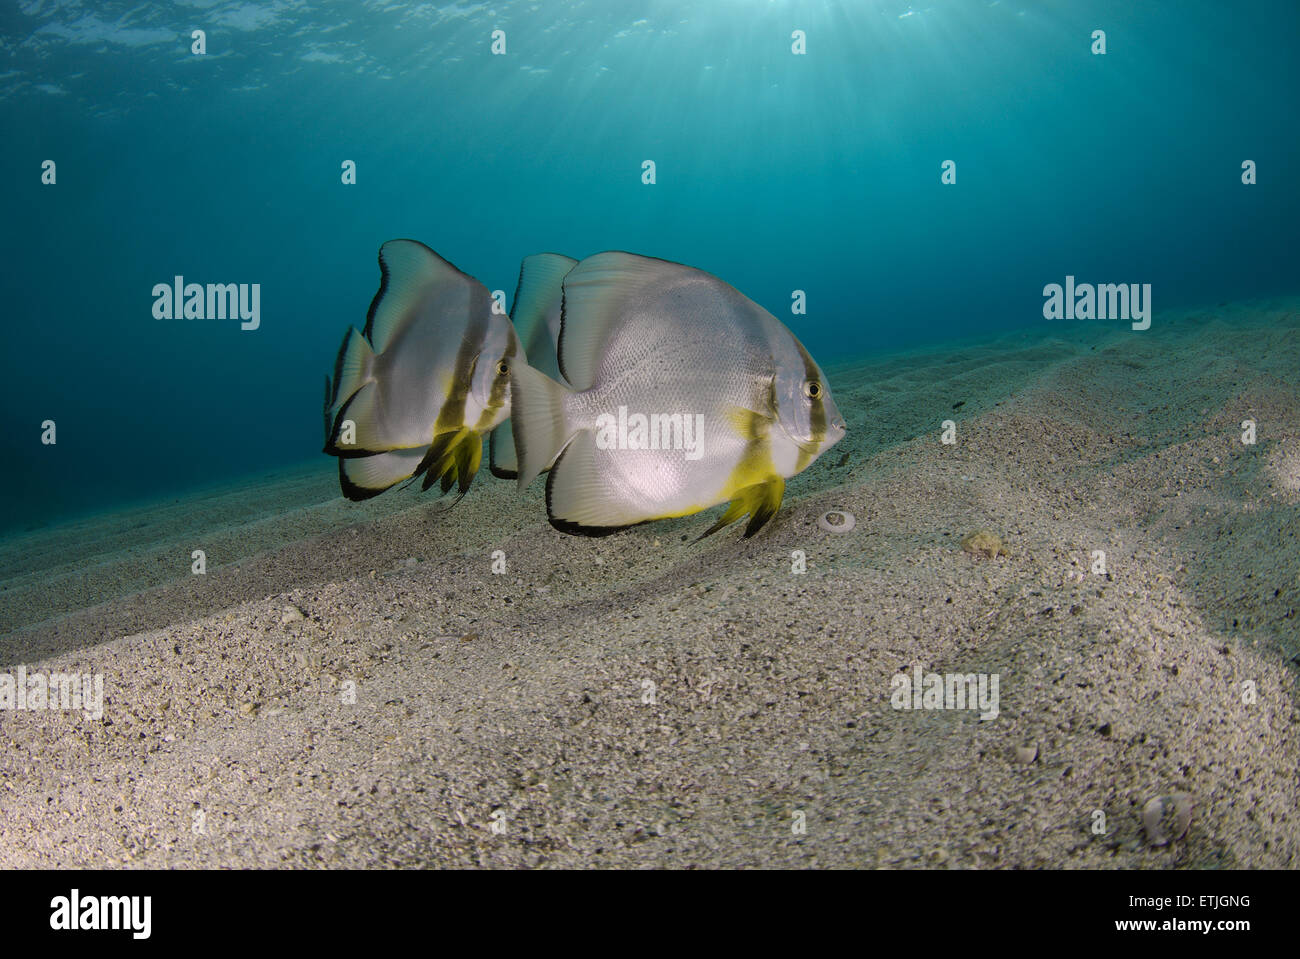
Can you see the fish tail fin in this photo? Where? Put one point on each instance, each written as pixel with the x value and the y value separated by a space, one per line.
pixel 539 421
pixel 329 399
pixel 353 367
pixel 761 501
pixel 353 372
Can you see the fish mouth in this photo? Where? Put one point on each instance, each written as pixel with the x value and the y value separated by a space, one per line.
pixel 836 430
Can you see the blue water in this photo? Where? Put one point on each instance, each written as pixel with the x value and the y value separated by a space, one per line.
pixel 777 172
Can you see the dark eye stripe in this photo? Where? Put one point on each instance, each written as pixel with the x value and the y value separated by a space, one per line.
pixel 497 396
pixel 452 414
pixel 817 409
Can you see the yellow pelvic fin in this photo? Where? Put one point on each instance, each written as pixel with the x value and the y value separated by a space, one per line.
pixel 469 454
pixel 760 501
pixel 453 458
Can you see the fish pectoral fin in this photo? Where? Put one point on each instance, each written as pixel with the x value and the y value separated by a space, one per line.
pixel 761 501
pixel 749 425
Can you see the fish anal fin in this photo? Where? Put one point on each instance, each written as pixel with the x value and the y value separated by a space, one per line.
pixel 363 477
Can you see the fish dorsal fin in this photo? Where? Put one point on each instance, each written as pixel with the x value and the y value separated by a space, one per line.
pixel 412 273
pixel 540 279
pixel 598 293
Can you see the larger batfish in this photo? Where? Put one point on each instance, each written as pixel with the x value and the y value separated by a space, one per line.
pixel 414 393
pixel 536 315
pixel 682 394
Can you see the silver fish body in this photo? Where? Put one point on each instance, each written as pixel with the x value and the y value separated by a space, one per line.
pixel 681 394
pixel 414 393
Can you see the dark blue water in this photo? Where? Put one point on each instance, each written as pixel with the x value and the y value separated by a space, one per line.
pixel 777 172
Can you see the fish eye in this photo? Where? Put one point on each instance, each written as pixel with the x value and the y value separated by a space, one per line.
pixel 503 368
pixel 812 389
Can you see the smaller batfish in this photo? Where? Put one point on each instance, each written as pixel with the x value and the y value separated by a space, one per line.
pixel 414 393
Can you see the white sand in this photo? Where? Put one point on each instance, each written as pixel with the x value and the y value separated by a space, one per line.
pixel 772 690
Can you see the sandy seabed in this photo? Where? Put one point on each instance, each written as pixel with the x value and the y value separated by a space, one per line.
pixel 646 700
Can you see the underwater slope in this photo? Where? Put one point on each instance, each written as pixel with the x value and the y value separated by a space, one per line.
pixel 526 692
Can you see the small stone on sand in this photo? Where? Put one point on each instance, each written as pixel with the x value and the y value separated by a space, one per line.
pixel 1166 818
pixel 986 544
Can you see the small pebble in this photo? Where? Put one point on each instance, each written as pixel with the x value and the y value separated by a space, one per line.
pixel 984 543
pixel 1166 818
pixel 837 521
pixel 292 614
pixel 1027 754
